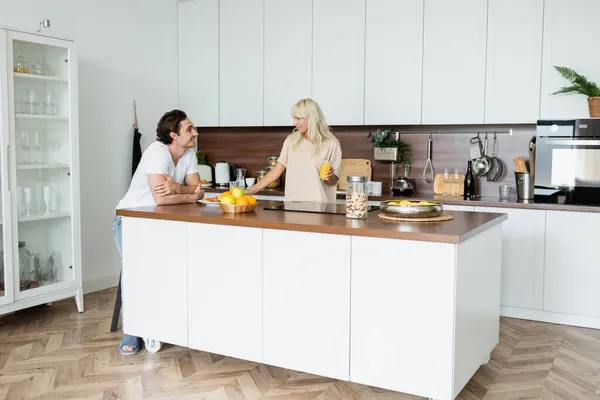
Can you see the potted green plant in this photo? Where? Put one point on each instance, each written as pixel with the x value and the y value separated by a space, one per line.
pixel 581 85
pixel 387 149
pixel 204 168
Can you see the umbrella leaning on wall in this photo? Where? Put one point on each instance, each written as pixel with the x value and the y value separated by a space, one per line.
pixel 137 149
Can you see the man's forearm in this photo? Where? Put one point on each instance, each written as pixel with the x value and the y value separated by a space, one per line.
pixel 177 199
pixel 183 189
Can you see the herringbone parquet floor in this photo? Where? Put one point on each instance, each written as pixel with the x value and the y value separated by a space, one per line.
pixel 56 353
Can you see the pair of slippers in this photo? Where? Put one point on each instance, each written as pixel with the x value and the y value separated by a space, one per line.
pixel 133 341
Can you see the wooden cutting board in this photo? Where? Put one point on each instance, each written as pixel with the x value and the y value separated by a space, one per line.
pixel 438 185
pixel 354 167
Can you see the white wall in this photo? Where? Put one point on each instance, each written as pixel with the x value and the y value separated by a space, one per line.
pixel 127 50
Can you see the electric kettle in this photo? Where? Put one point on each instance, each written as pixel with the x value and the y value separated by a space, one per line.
pixel 224 173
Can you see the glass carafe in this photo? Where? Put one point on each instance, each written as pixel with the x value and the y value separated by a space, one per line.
pixel 21 66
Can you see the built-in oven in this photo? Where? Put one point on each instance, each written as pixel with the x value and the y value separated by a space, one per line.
pixel 568 158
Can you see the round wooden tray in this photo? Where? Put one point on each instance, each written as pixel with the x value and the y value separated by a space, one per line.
pixel 397 218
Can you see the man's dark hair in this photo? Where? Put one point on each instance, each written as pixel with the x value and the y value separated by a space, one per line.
pixel 169 123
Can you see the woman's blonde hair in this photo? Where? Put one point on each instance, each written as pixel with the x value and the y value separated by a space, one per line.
pixel 318 130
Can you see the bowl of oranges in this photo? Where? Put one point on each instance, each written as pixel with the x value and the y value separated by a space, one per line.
pixel 236 201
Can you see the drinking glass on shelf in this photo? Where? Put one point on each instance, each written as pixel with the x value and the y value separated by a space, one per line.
pixel 31 102
pixel 24 144
pixel 36 147
pixel 50 104
pixel 446 179
pixel 47 197
pixel 27 191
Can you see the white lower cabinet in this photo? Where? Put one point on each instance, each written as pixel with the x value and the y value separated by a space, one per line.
pixel 572 268
pixel 522 257
pixel 225 290
pixel 152 265
pixel 306 302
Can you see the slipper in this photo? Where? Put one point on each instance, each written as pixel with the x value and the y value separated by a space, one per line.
pixel 132 341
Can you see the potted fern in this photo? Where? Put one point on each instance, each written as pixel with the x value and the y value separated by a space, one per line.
pixel 581 85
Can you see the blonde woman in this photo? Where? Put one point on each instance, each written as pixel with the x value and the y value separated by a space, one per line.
pixel 310 146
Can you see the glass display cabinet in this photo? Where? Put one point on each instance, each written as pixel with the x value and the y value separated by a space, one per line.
pixel 40 254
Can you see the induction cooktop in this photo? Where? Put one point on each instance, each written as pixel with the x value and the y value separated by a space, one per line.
pixel 322 208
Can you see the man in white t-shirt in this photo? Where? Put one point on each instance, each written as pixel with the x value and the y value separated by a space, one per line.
pixel 166 174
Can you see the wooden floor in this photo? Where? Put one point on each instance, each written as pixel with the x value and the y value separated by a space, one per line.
pixel 56 353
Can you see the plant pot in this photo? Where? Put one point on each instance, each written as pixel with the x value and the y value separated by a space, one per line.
pixel 594 104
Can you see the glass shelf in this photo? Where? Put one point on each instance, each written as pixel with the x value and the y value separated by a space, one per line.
pixel 31 77
pixel 42 117
pixel 42 166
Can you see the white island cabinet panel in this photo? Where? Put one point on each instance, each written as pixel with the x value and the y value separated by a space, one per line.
pixel 225 290
pixel 306 302
pixel 522 256
pixel 394 62
pixel 152 266
pixel 572 269
pixel 288 58
pixel 198 63
pixel 514 61
pixel 384 291
pixel 339 60
pixel 569 28
pixel 241 62
pixel 454 50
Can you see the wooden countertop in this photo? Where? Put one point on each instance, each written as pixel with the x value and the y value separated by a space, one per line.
pixel 463 226
pixel 482 201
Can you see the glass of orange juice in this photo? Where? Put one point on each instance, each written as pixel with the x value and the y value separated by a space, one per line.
pixel 323 170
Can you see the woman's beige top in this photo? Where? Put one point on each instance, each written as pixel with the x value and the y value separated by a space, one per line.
pixel 302 182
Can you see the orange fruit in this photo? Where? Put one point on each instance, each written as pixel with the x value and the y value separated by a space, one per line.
pixel 241 201
pixel 251 200
pixel 228 193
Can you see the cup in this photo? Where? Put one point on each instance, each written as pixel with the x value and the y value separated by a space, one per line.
pixel 375 188
pixel 250 181
pixel 233 184
pixel 504 192
pixel 323 170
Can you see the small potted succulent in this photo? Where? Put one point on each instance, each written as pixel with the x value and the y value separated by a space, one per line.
pixel 582 85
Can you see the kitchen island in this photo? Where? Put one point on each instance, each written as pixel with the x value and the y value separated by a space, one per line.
pixel 410 307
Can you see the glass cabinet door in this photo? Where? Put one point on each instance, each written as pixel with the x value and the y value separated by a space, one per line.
pixel 41 101
pixel 6 288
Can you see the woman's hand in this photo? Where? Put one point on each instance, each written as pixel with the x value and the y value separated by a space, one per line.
pixel 167 187
pixel 330 177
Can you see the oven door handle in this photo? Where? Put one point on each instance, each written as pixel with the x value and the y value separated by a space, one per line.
pixel 571 142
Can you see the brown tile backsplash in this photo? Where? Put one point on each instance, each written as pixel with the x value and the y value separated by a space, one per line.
pixel 250 147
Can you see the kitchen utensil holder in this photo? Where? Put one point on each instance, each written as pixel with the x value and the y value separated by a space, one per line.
pixel 525 185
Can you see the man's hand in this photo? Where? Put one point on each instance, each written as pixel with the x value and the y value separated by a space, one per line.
pixel 199 192
pixel 167 187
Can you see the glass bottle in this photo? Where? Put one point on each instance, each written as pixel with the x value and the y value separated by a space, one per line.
pixel 26 273
pixel 356 197
pixel 469 185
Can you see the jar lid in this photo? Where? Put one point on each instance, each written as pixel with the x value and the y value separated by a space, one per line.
pixel 273 158
pixel 22 244
pixel 356 179
pixel 261 171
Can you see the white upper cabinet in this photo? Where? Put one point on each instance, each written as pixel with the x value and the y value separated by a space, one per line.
pixel 241 62
pixel 198 50
pixel 393 64
pixel 454 61
pixel 571 30
pixel 514 59
pixel 339 60
pixel 288 57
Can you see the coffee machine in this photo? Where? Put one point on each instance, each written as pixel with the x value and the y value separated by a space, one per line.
pixel 224 173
